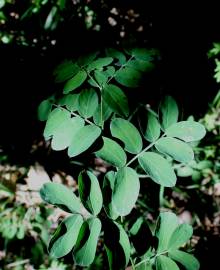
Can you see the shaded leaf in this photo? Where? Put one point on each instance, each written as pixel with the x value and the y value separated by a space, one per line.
pixel 187 131
pixel 88 102
pixel 175 148
pixel 85 249
pixel 65 71
pixel 158 168
pixel 141 65
pixel 83 139
pixel 112 153
pixel 169 111
pixel 75 82
pixel 86 59
pixel 116 54
pixel 61 196
pixel 127 133
pixel 65 236
pixel 165 263
pixel 108 187
pixel 116 99
pixel 126 190
pixel 166 225
pixel 187 260
pixel 117 245
pixel 138 229
pixel 44 110
pixel 90 192
pixel 142 54
pixel 128 77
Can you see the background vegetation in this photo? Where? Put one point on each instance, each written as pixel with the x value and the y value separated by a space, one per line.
pixel 37 35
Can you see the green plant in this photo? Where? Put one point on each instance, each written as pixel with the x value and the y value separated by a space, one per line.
pixel 93 116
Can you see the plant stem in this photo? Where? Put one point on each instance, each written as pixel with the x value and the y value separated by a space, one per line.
pixel 121 67
pixel 161 196
pixel 145 149
pixel 75 114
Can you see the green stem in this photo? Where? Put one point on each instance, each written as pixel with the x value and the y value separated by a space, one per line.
pixel 75 114
pixel 145 149
pixel 124 65
pixel 161 196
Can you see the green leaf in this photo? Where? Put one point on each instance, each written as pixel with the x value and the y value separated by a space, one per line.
pixel 83 139
pixel 62 137
pixel 116 54
pixel 187 260
pixel 61 196
pixel 117 245
pixel 128 77
pixel 170 112
pixel 75 82
pixel 86 59
pixel 112 153
pixel 88 102
pixel 144 266
pixel 100 63
pixel 142 54
pixel 188 131
pixel 90 192
pixel 126 190
pixel 85 249
pixel 152 132
pixel 140 65
pixel 180 236
pixel 127 133
pixel 165 263
pixel 44 110
pixel 107 190
pixel 102 113
pixel 55 120
pixel 184 171
pixel 100 77
pixel 166 225
pixel 116 99
pixel 175 148
pixel 158 168
pixel 110 71
pixel 65 71
pixel 70 101
pixel 65 236
pixel 50 18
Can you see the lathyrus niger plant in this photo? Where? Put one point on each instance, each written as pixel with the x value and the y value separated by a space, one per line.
pixel 93 115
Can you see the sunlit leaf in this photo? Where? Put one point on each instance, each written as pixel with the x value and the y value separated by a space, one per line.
pixel 175 148
pixel 75 82
pixel 126 190
pixel 127 133
pixel 65 236
pixel 59 195
pixel 158 168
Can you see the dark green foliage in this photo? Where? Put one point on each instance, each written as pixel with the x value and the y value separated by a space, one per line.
pixel 97 118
